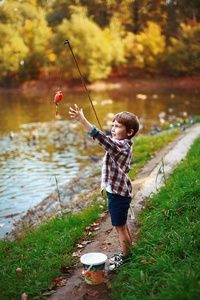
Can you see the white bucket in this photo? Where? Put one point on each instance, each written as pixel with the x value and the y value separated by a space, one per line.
pixel 93 267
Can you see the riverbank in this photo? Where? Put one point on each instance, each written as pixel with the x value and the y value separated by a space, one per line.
pixel 24 110
pixel 80 192
pixel 148 182
pixel 77 194
pixel 39 248
pixel 72 197
pixel 117 83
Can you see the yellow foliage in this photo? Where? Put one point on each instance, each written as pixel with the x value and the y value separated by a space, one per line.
pixel 90 46
pixel 147 49
pixel 28 25
pixel 52 57
pixel 151 39
pixel 183 53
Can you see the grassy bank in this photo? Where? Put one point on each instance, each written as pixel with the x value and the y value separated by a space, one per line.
pixel 40 256
pixel 165 261
pixel 145 148
pixel 33 263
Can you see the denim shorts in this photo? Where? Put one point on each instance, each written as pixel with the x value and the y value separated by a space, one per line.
pixel 118 208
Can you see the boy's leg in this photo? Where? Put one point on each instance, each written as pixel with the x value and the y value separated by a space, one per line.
pixel 129 233
pixel 124 236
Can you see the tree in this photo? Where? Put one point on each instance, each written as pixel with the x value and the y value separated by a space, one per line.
pixel 149 10
pixel 178 11
pixel 36 35
pixel 24 41
pixel 146 51
pixel 183 53
pixel 115 35
pixel 13 50
pixel 90 46
pixel 58 10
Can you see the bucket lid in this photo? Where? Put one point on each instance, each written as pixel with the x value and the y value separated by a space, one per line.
pixel 93 258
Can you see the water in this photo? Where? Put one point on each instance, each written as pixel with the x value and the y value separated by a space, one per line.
pixel 43 146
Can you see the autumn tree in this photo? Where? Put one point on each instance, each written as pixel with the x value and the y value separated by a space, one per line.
pixel 146 51
pixel 24 39
pixel 13 51
pixel 179 11
pixel 57 10
pixel 90 46
pixel 183 54
pixel 36 36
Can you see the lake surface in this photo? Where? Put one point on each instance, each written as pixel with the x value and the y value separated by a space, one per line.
pixel 41 147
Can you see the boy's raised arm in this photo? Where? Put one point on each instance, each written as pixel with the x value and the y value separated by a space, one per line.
pixel 79 116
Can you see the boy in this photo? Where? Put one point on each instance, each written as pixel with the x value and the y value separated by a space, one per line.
pixel 115 168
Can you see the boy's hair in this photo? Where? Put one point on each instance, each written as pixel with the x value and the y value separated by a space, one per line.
pixel 129 120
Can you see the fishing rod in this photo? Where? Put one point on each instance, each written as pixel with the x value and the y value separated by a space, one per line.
pixel 83 82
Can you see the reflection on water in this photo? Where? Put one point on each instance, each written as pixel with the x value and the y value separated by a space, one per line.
pixel 41 147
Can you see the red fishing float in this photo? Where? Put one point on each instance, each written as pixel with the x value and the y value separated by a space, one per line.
pixel 57 99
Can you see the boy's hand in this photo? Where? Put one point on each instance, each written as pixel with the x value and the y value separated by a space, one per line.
pixel 76 113
pixel 79 116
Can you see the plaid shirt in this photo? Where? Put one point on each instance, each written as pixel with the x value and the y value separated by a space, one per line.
pixel 116 163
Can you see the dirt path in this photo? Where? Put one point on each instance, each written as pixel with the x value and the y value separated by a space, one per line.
pixel 105 240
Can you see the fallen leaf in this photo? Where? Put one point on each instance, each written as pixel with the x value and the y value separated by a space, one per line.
pixel 19 271
pixel 143 261
pixel 88 296
pixel 59 281
pixel 97 228
pixel 88 227
pixel 62 282
pixel 65 270
pixel 178 211
pixel 152 259
pixel 23 257
pixel 86 242
pixel 79 245
pixel 163 211
pixel 161 245
pixel 76 254
pixel 24 296
pixel 6 249
pixel 94 294
pixel 95 223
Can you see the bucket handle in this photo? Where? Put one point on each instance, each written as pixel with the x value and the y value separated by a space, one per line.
pixel 84 272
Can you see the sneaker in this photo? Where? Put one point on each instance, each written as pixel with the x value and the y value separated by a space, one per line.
pixel 119 261
pixel 116 258
pixel 116 265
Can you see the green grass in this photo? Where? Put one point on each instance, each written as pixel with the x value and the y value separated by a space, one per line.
pixel 165 260
pixel 42 254
pixel 146 147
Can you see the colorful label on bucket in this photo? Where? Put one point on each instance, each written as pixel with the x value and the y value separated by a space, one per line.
pixel 95 275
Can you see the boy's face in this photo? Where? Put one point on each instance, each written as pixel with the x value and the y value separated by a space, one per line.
pixel 119 131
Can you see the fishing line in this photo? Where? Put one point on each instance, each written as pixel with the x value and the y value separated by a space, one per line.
pixel 83 82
